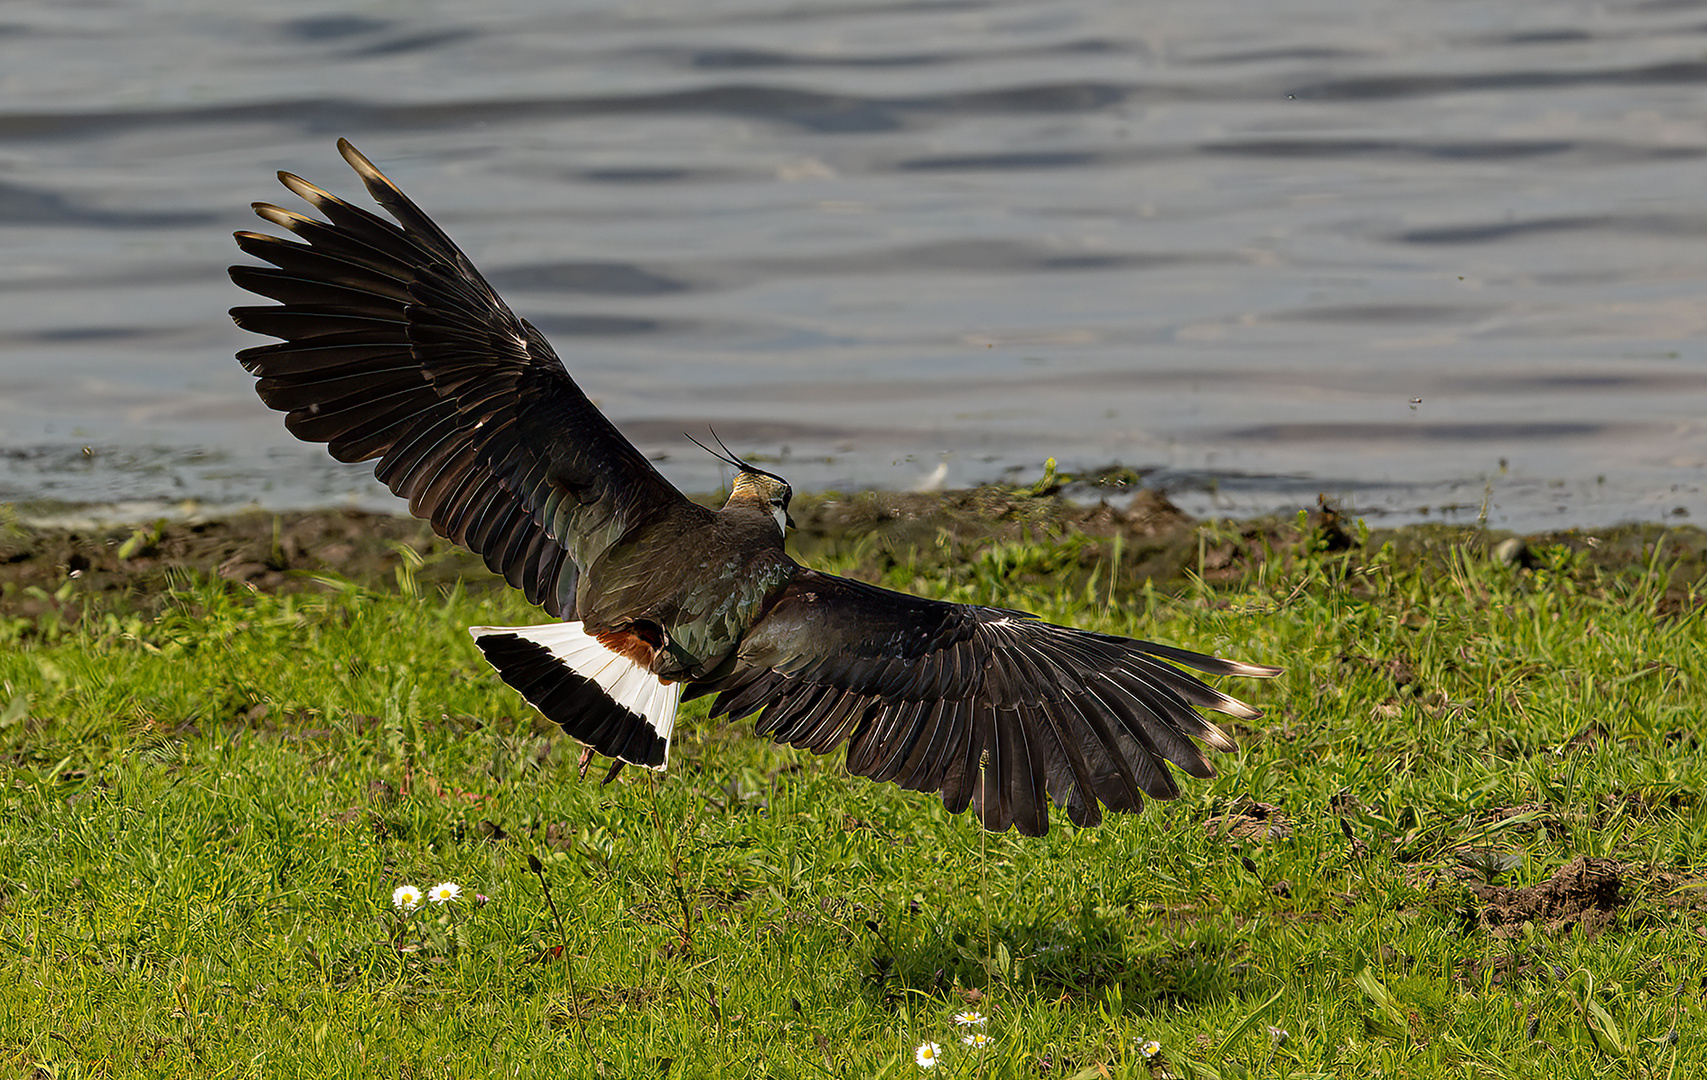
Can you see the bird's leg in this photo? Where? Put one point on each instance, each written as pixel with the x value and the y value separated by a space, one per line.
pixel 587 759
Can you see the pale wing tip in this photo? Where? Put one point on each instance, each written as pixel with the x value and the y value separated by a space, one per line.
pixel 305 190
pixel 1253 671
pixel 1220 740
pixel 358 160
pixel 367 170
pixel 1237 709
pixel 1214 665
pixel 278 215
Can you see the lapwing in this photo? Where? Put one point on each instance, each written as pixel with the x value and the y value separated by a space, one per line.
pixel 395 349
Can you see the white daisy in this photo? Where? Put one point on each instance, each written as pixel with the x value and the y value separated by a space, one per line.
pixel 444 892
pixel 927 1055
pixel 406 898
pixel 978 1039
pixel 969 1018
pixel 1151 1050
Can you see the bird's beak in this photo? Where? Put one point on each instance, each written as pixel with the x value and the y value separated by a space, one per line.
pixel 788 517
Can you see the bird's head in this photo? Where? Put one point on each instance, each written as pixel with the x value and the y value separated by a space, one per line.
pixel 753 486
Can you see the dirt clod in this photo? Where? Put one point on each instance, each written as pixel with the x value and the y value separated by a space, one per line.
pixel 1253 822
pixel 1585 893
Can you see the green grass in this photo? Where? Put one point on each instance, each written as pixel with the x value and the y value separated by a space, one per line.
pixel 208 809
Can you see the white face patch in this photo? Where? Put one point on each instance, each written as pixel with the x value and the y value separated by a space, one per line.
pixel 781 516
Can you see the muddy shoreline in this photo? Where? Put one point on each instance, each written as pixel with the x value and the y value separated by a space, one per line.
pixel 59 566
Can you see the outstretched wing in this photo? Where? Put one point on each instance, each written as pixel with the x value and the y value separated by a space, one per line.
pixel 991 707
pixel 394 347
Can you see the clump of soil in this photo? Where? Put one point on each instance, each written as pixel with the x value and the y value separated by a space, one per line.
pixel 1251 821
pixel 1585 893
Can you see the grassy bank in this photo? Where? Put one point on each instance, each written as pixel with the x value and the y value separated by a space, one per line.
pixel 1467 839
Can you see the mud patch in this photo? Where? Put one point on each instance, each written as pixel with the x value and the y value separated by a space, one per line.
pixel 43 569
pixel 1587 893
pixel 55 562
pixel 1254 822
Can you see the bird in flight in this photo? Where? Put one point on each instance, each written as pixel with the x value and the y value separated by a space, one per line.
pixel 393 348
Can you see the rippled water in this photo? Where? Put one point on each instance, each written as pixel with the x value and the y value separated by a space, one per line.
pixel 1425 257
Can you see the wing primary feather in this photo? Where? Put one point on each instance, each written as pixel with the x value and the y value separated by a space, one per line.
pixel 911 725
pixel 989 795
pixel 1165 721
pixel 1079 791
pixel 785 707
pixel 1213 664
pixel 1019 776
pixel 919 772
pixel 844 717
pixel 1188 688
pixel 1152 776
pixel 807 709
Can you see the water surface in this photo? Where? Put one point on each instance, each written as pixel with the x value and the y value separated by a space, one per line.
pixel 1432 259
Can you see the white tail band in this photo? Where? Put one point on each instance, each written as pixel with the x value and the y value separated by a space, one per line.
pixel 618 677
